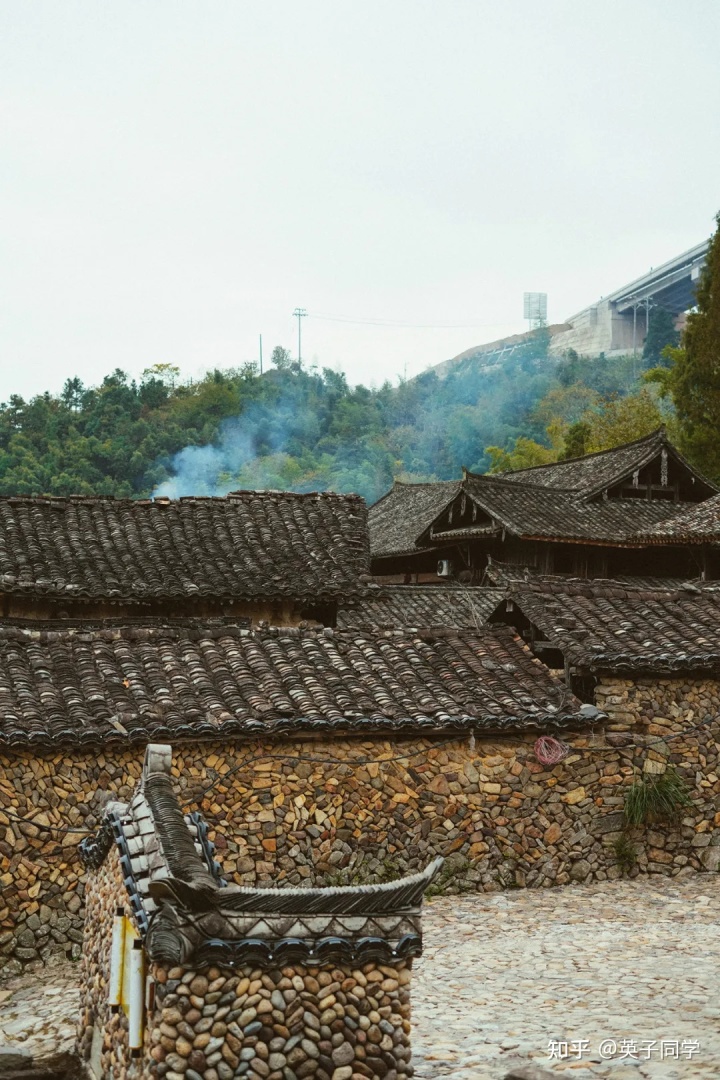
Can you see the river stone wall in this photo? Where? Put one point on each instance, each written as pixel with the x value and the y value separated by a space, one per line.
pixel 213 1023
pixel 290 1022
pixel 320 813
pixel 103 1034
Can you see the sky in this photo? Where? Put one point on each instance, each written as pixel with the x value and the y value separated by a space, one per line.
pixel 176 179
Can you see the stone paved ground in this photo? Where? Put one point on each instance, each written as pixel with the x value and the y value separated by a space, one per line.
pixel 38 1015
pixel 502 974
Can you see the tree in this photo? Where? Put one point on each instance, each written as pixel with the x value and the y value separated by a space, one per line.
pixel 169 374
pixel 524 454
pixel 620 420
pixel 693 380
pixel 661 334
pixel 577 438
pixel 72 393
pixel 281 358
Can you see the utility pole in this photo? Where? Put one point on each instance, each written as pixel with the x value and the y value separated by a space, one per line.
pixel 261 354
pixel 300 313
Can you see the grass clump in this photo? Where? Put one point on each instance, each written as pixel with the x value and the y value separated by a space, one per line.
pixel 657 798
pixel 625 853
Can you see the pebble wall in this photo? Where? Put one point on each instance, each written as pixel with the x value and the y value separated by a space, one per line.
pixel 332 1023
pixel 102 1034
pixel 318 812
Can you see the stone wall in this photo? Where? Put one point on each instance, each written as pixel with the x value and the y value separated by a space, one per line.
pixel 330 1023
pixel 656 710
pixel 103 1034
pixel 318 811
pixel 212 1023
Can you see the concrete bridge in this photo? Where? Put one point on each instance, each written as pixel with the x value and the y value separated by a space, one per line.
pixel 618 322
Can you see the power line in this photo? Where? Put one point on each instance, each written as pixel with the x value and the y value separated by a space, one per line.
pixel 322 317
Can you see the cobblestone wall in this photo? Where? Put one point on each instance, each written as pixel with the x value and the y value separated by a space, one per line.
pixel 103 1034
pixel 331 1023
pixel 214 1023
pixel 345 809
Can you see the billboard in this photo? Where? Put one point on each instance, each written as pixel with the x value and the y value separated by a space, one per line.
pixel 535 307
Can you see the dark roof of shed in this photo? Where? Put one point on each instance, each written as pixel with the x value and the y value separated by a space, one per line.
pixel 422 607
pixel 249 544
pixel 127 685
pixel 605 626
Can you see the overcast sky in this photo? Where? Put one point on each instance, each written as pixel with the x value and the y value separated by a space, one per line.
pixel 176 178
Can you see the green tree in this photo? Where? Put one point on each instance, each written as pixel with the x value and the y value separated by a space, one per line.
pixel 166 373
pixel 661 334
pixel 577 438
pixel 281 358
pixel 524 454
pixel 621 420
pixel 72 393
pixel 693 379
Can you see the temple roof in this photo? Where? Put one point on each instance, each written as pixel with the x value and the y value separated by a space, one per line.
pixel 608 626
pixel 127 685
pixel 247 545
pixel 390 607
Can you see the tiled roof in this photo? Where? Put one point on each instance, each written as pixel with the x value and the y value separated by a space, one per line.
pixel 528 511
pixel 503 574
pixel 610 627
pixel 549 502
pixel 186 913
pixel 137 684
pixel 586 474
pixel 697 524
pixel 421 607
pixel 398 519
pixel 249 544
pixel 521 509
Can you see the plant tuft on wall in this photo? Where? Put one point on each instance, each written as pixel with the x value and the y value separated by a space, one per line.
pixel 657 799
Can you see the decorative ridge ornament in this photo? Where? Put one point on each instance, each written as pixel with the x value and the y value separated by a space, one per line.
pixel 186 912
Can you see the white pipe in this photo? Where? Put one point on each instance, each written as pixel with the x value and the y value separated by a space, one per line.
pixel 135 997
pixel 117 959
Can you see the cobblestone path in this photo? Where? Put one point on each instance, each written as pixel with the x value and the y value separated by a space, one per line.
pixel 505 973
pixel 38 1018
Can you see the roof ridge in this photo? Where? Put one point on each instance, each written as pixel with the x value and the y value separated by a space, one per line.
pixel 511 485
pixel 164 500
pixel 659 433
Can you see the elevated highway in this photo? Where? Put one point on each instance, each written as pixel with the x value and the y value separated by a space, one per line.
pixel 618 323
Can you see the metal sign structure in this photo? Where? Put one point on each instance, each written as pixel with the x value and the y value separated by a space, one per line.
pixel 535 308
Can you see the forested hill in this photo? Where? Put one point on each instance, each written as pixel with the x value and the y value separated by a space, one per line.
pixel 302 429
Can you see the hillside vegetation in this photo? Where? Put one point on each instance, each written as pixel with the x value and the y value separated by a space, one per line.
pixel 294 428
pixel 306 430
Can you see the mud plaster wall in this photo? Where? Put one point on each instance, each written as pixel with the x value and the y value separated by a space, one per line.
pixel 318 813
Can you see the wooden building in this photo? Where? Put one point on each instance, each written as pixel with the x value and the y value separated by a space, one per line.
pixel 606 515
